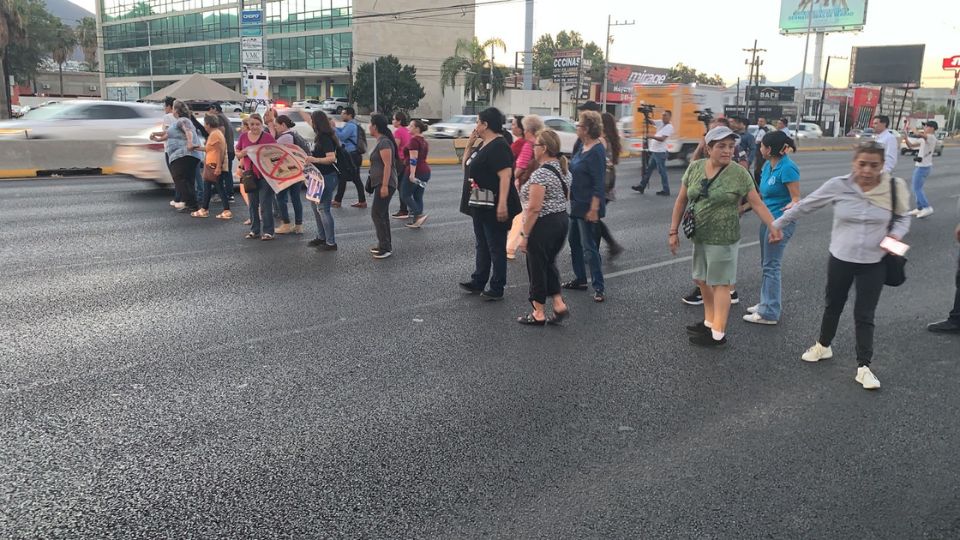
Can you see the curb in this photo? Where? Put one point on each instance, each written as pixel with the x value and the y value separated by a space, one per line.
pixel 10 174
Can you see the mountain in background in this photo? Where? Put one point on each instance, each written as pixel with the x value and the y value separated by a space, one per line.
pixel 792 81
pixel 70 14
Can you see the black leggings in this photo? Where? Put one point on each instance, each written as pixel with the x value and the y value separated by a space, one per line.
pixel 355 178
pixel 547 238
pixel 604 232
pixel 868 279
pixel 184 173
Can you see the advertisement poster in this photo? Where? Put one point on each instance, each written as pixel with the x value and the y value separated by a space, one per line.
pixel 828 15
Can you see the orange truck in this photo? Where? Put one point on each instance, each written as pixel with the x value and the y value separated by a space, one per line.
pixel 688 102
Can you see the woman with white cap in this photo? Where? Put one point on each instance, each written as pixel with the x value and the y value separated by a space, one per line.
pixel 708 209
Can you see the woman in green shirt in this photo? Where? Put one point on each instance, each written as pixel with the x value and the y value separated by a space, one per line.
pixel 715 186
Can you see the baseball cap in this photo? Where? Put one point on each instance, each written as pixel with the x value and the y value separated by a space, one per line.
pixel 589 106
pixel 718 134
pixel 932 124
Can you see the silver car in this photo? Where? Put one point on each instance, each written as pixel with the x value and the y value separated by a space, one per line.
pixel 460 125
pixel 83 121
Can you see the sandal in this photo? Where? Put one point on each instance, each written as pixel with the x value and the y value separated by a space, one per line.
pixel 226 214
pixel 201 213
pixel 574 285
pixel 247 222
pixel 558 317
pixel 530 320
pixel 252 236
pixel 267 237
pixel 598 297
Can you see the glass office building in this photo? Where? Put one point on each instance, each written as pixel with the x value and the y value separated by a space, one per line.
pixel 149 44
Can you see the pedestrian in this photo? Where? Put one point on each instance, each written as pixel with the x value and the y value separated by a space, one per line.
pixel 779 189
pixel 783 125
pixel 417 173
pixel 354 141
pixel 544 229
pixel 923 166
pixel 519 143
pixel 491 198
pixel 888 140
pixel 868 206
pixel 401 137
pixel 613 146
pixel 952 323
pixel 658 151
pixel 587 205
pixel 263 197
pixel 709 204
pixel 762 129
pixel 523 167
pixel 382 182
pixel 183 151
pixel 746 144
pixel 324 157
pixel 244 128
pixel 168 119
pixel 215 161
pixel 284 133
pixel 226 178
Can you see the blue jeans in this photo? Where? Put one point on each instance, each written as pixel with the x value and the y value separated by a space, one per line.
pixel 770 256
pixel 583 245
pixel 226 178
pixel 660 162
pixel 412 194
pixel 262 200
pixel 920 175
pixel 491 251
pixel 200 184
pixel 321 210
pixel 293 194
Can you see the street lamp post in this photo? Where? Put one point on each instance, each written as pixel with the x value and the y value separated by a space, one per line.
pixel 606 57
pixel 823 92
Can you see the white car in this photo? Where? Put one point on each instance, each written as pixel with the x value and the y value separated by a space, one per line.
pixel 308 105
pixel 460 125
pixel 334 105
pixel 565 129
pixel 231 107
pixel 915 140
pixel 83 120
pixel 805 130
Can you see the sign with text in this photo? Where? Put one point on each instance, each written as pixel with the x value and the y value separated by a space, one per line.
pixel 251 16
pixel 251 57
pixel 280 165
pixel 251 43
pixel 621 78
pixel 822 16
pixel 770 93
pixel 952 62
pixel 566 64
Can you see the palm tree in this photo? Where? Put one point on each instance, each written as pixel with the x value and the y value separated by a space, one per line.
pixel 63 44
pixel 87 35
pixel 13 28
pixel 470 59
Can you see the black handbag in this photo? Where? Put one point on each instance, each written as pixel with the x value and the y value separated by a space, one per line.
pixel 688 222
pixel 249 181
pixel 896 264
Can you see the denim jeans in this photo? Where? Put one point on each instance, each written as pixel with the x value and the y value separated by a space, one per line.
pixel 660 162
pixel 292 193
pixel 226 178
pixel 261 200
pixel 491 251
pixel 413 195
pixel 920 175
pixel 321 211
pixel 200 185
pixel 770 257
pixel 583 245
pixel 208 194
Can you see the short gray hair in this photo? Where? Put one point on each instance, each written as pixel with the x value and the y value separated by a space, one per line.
pixel 533 124
pixel 181 109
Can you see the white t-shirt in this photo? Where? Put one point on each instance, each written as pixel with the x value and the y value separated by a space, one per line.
pixel 168 120
pixel 928 143
pixel 665 131
pixel 761 131
pixel 891 147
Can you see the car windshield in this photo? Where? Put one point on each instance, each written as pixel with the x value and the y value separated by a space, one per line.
pixel 54 111
pixel 462 120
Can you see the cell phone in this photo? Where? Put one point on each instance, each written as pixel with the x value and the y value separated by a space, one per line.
pixel 894 246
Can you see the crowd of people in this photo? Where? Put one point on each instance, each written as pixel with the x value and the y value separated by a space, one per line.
pixel 524 195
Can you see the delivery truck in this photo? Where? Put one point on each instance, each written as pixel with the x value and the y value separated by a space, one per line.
pixel 692 106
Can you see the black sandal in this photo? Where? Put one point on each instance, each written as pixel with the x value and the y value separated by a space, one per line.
pixel 530 320
pixel 558 317
pixel 574 285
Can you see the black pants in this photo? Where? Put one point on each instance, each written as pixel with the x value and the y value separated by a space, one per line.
pixel 355 178
pixel 184 173
pixel 603 232
pixel 955 313
pixel 401 180
pixel 547 238
pixel 868 279
pixel 380 213
pixel 490 252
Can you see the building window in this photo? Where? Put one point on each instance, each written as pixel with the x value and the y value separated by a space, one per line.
pixel 329 51
pixel 207 59
pixel 287 16
pixel 115 10
pixel 210 25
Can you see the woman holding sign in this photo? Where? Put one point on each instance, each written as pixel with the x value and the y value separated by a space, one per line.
pixel 263 197
pixel 324 158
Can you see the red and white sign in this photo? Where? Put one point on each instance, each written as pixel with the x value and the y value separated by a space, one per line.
pixel 281 165
pixel 952 62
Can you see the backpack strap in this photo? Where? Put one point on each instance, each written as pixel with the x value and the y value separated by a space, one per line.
pixel 563 183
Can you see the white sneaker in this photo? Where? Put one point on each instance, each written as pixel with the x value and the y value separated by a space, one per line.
pixel 816 353
pixel 753 309
pixel 179 205
pixel 755 318
pixel 913 212
pixel 925 212
pixel 173 203
pixel 867 378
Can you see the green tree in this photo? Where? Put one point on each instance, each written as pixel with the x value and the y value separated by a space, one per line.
pixel 397 86
pixel 470 59
pixel 25 57
pixel 13 29
pixel 682 73
pixel 546 45
pixel 63 44
pixel 87 36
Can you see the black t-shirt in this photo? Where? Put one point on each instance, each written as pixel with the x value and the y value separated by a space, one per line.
pixel 484 168
pixel 320 150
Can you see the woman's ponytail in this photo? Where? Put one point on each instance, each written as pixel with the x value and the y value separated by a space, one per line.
pixel 564 164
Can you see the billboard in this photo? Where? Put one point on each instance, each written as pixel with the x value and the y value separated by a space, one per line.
pixel 771 93
pixel 566 64
pixel 895 64
pixel 828 15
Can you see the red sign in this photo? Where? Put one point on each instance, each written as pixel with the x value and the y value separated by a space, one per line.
pixel 952 62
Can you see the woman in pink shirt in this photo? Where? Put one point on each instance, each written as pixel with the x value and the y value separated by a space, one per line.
pixel 261 199
pixel 402 135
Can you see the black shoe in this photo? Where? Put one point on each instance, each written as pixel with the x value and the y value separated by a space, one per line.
pixel 316 242
pixel 641 188
pixel 232 198
pixel 491 296
pixel 373 249
pixel 575 285
pixel 400 215
pixel 328 247
pixel 663 193
pixel 734 298
pixel 467 286
pixel 948 326
pixel 693 299
pixel 598 297
pixel 615 249
pixel 706 340
pixel 698 329
pixel 382 254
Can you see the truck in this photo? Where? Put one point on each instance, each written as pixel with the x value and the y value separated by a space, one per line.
pixel 691 104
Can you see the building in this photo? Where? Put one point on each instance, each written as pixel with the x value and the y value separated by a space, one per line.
pixel 308 46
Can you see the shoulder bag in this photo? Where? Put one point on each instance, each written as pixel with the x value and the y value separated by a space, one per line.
pixel 688 222
pixel 480 197
pixel 896 264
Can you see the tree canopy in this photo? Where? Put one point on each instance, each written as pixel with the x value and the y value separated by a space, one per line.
pixel 682 73
pixel 546 45
pixel 470 60
pixel 397 86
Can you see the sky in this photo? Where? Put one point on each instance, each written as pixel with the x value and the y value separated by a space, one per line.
pixel 710 35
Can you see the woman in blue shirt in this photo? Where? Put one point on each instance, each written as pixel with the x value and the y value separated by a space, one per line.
pixel 587 204
pixel 780 189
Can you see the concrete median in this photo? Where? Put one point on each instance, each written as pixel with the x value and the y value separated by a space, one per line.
pixel 22 159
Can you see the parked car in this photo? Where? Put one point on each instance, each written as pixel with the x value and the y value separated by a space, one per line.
pixel 83 120
pixel 854 133
pixel 335 105
pixel 805 130
pixel 565 129
pixel 915 139
pixel 308 104
pixel 460 125
pixel 231 107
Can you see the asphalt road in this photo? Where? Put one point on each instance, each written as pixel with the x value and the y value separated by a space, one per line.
pixel 161 377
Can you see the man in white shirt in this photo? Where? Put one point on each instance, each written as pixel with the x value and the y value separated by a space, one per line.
pixel 924 165
pixel 658 151
pixel 890 144
pixel 782 124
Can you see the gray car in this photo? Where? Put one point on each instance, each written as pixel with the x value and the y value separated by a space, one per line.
pixel 83 120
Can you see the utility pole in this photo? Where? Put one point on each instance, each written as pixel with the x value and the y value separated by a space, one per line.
pixel 528 47
pixel 375 108
pixel 492 52
pixel 606 57
pixel 350 74
pixel 823 93
pixel 755 64
pixel 803 72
